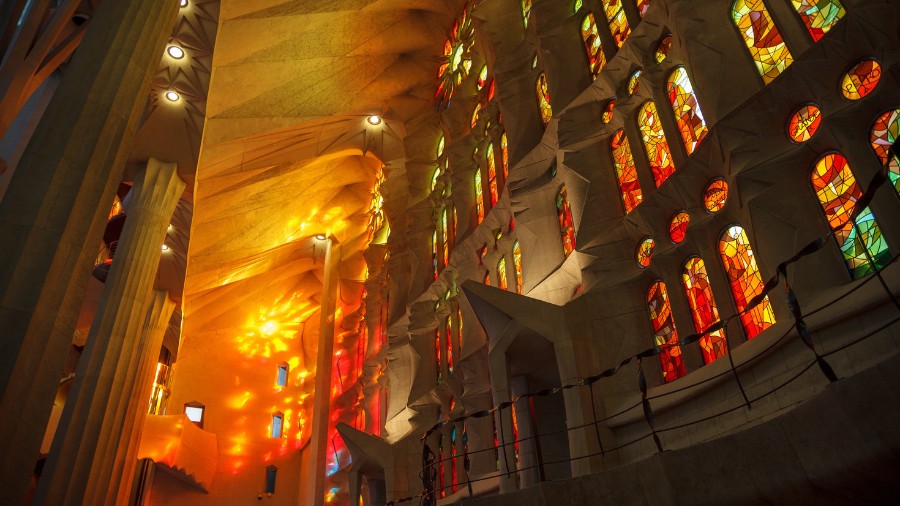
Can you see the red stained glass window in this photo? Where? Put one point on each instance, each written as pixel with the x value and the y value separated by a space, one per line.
pixel 861 79
pixel 678 226
pixel 745 279
pixel 645 252
pixel 596 59
pixel 448 333
pixel 763 40
pixel 688 115
pixel 715 195
pixel 608 110
pixel 662 49
pixel 492 175
pixel 804 123
pixel 566 224
pixel 670 359
pixel 819 15
pixel 626 173
pixel 655 143
pixel 633 82
pixel 437 353
pixel 642 6
pixel 885 132
pixel 703 309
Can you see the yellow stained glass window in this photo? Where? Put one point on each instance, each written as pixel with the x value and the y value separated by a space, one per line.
pixel 517 264
pixel 626 173
pixel 655 143
pixel 662 49
pixel 819 15
pixel 688 115
pixel 861 79
pixel 767 48
pixel 479 197
pixel 543 95
pixel 746 281
pixel 618 23
pixel 645 252
pixel 501 274
pixel 504 156
pixel 457 58
pixel 526 12
pixel 596 59
pixel 566 223
pixel 434 254
pixel 715 195
pixel 608 110
pixel 492 175
pixel 445 237
pixel 633 82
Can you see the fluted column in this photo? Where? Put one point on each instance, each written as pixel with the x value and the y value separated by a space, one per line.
pixel 79 467
pixel 53 214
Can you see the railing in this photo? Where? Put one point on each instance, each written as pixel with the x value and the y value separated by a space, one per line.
pixel 431 464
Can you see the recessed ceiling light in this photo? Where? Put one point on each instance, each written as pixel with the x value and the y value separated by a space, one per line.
pixel 374 119
pixel 172 96
pixel 175 52
pixel 184 3
pixel 320 237
pixel 165 247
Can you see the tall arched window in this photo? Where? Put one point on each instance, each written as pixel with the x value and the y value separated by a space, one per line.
pixel 626 174
pixel 504 156
pixel 703 309
pixel 884 134
pixel 767 48
pixel 479 197
pixel 501 274
pixel 434 253
pixel 492 175
pixel 596 59
pixel 642 6
pixel 745 279
pixel 526 12
pixel 448 334
pixel 445 237
pixel 517 265
pixel 566 224
pixel 437 354
pixel 543 95
pixel 670 359
pixel 618 23
pixel 819 15
pixel 838 192
pixel 687 109
pixel 655 143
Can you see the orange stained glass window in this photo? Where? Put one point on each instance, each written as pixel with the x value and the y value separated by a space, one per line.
pixel 459 328
pixel 678 226
pixel 655 143
pixel 445 237
pixel 645 252
pixel 804 123
pixel 838 193
pixel 715 195
pixel 885 132
pixel 543 96
pixel 618 23
pixel 861 79
pixel 437 353
pixel 626 173
pixel 767 48
pixel 703 309
pixel 504 155
pixel 819 15
pixel 633 82
pixel 487 278
pixel 608 110
pixel 596 59
pixel 670 359
pixel 501 274
pixel 517 265
pixel 434 253
pixel 745 279
pixel 457 59
pixel 662 49
pixel 566 224
pixel 492 175
pixel 475 114
pixel 642 6
pixel 448 333
pixel 688 115
pixel 455 225
pixel 479 197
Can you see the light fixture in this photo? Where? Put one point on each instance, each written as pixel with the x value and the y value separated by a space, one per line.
pixel 172 96
pixel 184 3
pixel 320 237
pixel 165 247
pixel 374 119
pixel 175 52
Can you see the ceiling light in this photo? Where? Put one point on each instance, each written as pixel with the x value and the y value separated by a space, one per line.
pixel 320 237
pixel 165 247
pixel 172 96
pixel 374 119
pixel 184 3
pixel 175 52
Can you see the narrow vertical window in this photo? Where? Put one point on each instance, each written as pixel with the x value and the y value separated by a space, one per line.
pixel 819 16
pixel 526 12
pixel 277 424
pixel 745 279
pixel 566 224
pixel 517 264
pixel 626 174
pixel 543 95
pixel 655 143
pixel 271 474
pixel 665 335
pixel 437 353
pixel 282 378
pixel 596 59
pixel 501 274
pixel 195 412
pixel 688 116
pixel 453 474
pixel 445 237
pixel 884 134
pixel 448 333
pixel 642 6
pixel 618 23
pixel 492 175
pixel 434 254
pixel 504 156
pixel 703 309
pixel 479 197
pixel 459 329
pixel 763 40
pixel 838 193
pixel 487 278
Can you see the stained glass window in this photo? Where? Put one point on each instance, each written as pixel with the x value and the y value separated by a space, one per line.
pixel 762 38
pixel 492 175
pixel 645 252
pixel 745 279
pixel 608 110
pixel 445 237
pixel 437 353
pixel 501 274
pixel 517 265
pixel 453 459
pixel 884 134
pixel 678 226
pixel 596 59
pixel 633 82
pixel 434 177
pixel 479 197
pixel 819 15
pixel 642 6
pixel 804 123
pixel 688 115
pixel 440 147
pixel 662 49
pixel 625 171
pixel 703 309
pixel 504 155
pixel 457 58
pixel 487 278
pixel 566 224
pixel 655 143
pixel 618 24
pixel 448 333
pixel 543 96
pixel 715 195
pixel 577 6
pixel 670 359
pixel 459 327
pixel 861 79
pixel 475 114
pixel 482 78
pixel 434 253
pixel 838 192
pixel 526 11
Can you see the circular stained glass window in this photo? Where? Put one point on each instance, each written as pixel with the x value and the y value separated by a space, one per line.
pixel 861 79
pixel 662 50
pixel 645 252
pixel 678 226
pixel 715 195
pixel 608 110
pixel 633 82
pixel 804 123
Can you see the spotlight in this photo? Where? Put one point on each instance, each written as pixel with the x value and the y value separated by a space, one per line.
pixel 172 96
pixel 165 247
pixel 374 119
pixel 320 237
pixel 184 3
pixel 175 52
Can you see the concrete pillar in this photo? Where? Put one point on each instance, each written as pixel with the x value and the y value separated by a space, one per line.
pixel 355 480
pixel 53 214
pixel 503 419
pixel 313 490
pixel 87 446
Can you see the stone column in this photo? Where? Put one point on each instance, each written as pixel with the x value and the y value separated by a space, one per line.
pixel 53 214
pixel 313 492
pixel 80 466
